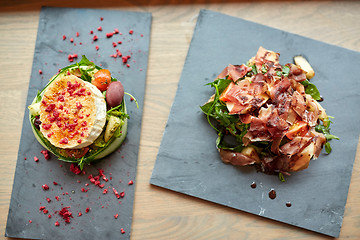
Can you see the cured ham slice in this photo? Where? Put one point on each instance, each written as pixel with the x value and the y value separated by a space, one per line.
pixel 235 158
pixel 235 72
pixel 281 117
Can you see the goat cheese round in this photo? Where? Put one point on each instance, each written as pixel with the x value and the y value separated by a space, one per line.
pixel 72 112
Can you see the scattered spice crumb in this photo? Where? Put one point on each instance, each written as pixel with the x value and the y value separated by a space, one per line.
pixel 46 154
pixel 95 38
pixel 55 183
pixel 99 28
pixel 45 187
pixel 57 223
pixel 91 32
pixel 116 216
pixel 36 159
pixel 40 72
pixel 77 34
pixel 79 214
pixel 48 200
pixel 101 18
pixel 131 182
pixel 30 221
pixel 75 169
pixel 71 40
pixel 116 31
pixel 64 37
pixel 97 48
pixel 71 57
pixel 122 231
pixel 87 210
pixel 49 216
pixel 66 214
pixel 131 31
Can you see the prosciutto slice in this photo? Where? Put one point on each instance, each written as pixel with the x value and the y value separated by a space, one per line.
pixel 235 158
pixel 235 72
pixel 278 111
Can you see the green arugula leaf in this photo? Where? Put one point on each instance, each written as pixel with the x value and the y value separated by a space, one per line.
pixel 311 89
pixel 285 71
pixel 328 148
pixel 281 177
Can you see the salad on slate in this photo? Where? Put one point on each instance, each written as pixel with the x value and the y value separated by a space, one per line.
pixel 80 116
pixel 268 115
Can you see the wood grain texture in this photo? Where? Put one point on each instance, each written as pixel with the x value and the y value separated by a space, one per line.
pixel 158 213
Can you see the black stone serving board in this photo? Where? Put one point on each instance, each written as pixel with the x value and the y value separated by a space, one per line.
pixel 25 220
pixel 188 162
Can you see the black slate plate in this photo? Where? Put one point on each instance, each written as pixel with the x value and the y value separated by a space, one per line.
pixel 25 220
pixel 188 161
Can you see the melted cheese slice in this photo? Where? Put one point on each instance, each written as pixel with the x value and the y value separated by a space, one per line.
pixel 72 112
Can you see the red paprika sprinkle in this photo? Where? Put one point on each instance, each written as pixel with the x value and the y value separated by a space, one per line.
pixel 45 187
pixel 36 159
pixel 41 208
pixel 97 48
pixel 64 141
pixel 116 216
pixel 64 37
pixel 131 31
pixel 131 182
pixel 101 18
pixel 49 216
pixel 46 154
pixel 40 72
pixel 87 210
pixel 119 42
pixel 77 34
pixel 122 231
pixel 30 221
pixel 71 40
pixel 79 214
pixel 116 31
pixel 91 32
pixel 57 223
pixel 114 44
pixel 66 214
pixel 99 28
pixel 95 38
pixel 45 211
pixel 105 191
pixel 55 183
pixel 109 35
pixel 57 198
pixel 48 200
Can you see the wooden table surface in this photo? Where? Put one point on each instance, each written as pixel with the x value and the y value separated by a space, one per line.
pixel 158 213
